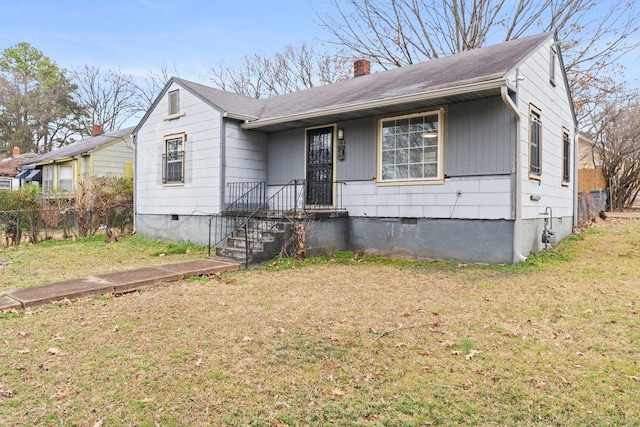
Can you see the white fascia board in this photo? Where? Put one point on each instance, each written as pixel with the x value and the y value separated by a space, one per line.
pixel 341 109
pixel 241 117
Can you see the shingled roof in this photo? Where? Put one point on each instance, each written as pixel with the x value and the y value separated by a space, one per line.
pixel 481 71
pixel 11 166
pixel 84 146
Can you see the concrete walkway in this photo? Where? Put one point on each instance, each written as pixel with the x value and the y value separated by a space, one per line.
pixel 111 283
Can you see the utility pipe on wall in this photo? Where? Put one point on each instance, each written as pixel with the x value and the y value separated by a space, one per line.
pixel 517 208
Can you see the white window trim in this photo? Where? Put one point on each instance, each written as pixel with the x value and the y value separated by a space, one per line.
pixel 182 136
pixel 439 178
pixel 535 175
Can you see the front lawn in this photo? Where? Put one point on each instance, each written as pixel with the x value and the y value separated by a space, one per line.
pixel 56 260
pixel 345 341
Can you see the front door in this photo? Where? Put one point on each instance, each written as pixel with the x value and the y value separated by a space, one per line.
pixel 320 166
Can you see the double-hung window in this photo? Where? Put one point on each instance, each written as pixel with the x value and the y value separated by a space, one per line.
pixel 173 159
pixel 566 157
pixel 410 148
pixel 65 178
pixel 535 142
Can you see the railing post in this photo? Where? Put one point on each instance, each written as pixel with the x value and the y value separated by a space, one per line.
pixel 246 245
pixel 209 250
pixel 295 197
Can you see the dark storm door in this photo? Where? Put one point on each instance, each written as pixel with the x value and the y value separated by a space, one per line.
pixel 320 166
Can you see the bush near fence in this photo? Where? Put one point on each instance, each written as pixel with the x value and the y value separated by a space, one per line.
pixel 36 225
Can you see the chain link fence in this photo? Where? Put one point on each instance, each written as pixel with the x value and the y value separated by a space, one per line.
pixel 33 226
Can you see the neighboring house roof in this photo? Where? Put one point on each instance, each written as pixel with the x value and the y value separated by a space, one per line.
pixel 467 75
pixel 84 146
pixel 11 166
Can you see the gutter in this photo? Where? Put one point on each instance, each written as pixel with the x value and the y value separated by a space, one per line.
pixel 377 103
pixel 241 117
pixel 575 179
pixel 517 197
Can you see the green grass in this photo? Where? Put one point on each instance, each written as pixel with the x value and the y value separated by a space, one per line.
pixel 56 260
pixel 348 340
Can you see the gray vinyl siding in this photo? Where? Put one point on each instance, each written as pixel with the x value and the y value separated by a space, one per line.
pixel 286 157
pixel 200 192
pixel 245 154
pixel 360 150
pixel 480 138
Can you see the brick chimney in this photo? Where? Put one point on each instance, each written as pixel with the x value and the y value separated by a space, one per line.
pixel 361 67
pixel 96 129
pixel 15 152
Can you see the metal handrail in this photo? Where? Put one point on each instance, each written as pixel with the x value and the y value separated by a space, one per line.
pixel 290 200
pixel 247 194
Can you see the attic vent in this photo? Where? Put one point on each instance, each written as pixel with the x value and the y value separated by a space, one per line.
pixel 174 102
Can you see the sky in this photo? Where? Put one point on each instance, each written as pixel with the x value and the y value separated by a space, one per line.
pixel 185 36
pixel 138 36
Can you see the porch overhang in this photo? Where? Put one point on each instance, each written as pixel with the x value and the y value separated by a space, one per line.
pixel 375 107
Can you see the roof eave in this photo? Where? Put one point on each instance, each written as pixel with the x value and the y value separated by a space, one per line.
pixel 347 108
pixel 238 116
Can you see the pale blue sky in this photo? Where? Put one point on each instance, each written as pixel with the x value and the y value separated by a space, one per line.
pixel 139 36
pixel 142 35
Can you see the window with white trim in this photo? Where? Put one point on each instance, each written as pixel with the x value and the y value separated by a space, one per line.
pixel 5 184
pixel 174 102
pixel 410 148
pixel 173 159
pixel 566 156
pixel 47 177
pixel 535 142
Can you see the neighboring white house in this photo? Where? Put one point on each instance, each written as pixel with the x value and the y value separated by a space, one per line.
pixel 101 154
pixel 461 157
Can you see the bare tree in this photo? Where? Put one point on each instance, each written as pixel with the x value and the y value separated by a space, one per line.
pixel 393 33
pixel 293 69
pixel 111 97
pixel 152 85
pixel 616 136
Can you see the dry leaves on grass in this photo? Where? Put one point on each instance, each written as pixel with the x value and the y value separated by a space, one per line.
pixel 7 393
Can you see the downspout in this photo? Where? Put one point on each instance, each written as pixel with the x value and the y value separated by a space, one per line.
pixel 135 174
pixel 223 145
pixel 575 180
pixel 517 197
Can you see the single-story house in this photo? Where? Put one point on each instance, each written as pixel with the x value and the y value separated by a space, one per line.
pixel 469 157
pixel 11 169
pixel 101 154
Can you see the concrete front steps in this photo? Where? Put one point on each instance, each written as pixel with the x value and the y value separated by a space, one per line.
pixel 265 239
